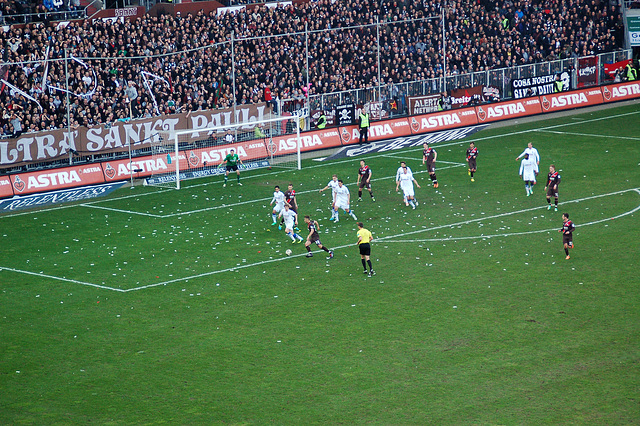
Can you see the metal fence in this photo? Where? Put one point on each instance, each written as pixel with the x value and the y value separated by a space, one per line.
pixel 499 78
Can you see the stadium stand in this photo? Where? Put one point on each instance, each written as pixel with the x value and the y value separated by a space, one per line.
pixel 187 58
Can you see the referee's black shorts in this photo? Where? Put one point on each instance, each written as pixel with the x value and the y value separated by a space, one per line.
pixel 365 249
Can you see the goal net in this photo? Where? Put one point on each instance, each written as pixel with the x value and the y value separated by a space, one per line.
pixel 197 153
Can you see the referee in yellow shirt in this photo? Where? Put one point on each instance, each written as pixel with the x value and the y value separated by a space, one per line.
pixel 364 240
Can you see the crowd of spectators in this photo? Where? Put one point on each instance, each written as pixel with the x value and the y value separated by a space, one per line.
pixel 25 11
pixel 185 61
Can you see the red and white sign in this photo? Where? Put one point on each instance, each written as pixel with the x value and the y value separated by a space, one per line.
pixel 5 187
pixel 506 110
pixel 443 120
pixel 622 91
pixel 575 99
pixel 49 180
pixel 121 169
pixel 377 131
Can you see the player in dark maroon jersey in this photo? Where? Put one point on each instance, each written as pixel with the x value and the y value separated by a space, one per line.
pixel 313 237
pixel 553 180
pixel 472 154
pixel 290 200
pixel 364 180
pixel 429 156
pixel 567 234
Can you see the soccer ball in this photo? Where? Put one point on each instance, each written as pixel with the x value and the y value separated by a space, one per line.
pixel 288 252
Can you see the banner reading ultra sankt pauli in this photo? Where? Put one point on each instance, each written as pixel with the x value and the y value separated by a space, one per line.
pixel 540 85
pixel 41 147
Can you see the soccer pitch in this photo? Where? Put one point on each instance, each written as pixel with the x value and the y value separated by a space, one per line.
pixel 172 306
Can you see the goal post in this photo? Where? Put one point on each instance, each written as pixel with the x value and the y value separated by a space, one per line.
pixel 197 153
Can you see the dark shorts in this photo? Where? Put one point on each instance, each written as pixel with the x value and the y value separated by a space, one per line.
pixel 567 239
pixel 551 192
pixel 472 163
pixel 431 167
pixel 364 184
pixel 232 168
pixel 365 249
pixel 315 239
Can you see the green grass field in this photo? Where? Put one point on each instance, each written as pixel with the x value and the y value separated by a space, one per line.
pixel 178 307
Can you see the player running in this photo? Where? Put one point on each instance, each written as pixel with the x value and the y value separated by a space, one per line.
pixel 341 200
pixel 429 156
pixel 290 221
pixel 313 237
pixel 472 154
pixel 232 159
pixel 567 234
pixel 278 199
pixel 333 184
pixel 290 199
pixel 364 180
pixel 406 181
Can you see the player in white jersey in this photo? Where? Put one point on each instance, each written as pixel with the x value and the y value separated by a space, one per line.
pixel 528 168
pixel 534 155
pixel 401 171
pixel 341 200
pixel 278 199
pixel 290 221
pixel 406 181
pixel 333 184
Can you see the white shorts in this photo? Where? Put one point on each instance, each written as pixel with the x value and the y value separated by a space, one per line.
pixel 529 176
pixel 289 224
pixel 408 190
pixel 278 208
pixel 342 205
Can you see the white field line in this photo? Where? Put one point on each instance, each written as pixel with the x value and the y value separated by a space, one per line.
pixel 591 136
pixel 348 160
pixel 387 239
pixel 52 277
pixel 390 238
pixel 511 234
pixel 157 216
pixel 242 203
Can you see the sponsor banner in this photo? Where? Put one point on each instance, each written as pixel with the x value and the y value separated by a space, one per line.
pixel 48 146
pixel 473 96
pixel 50 180
pixel 443 120
pixel 58 197
pixel 125 12
pixel 5 187
pixel 622 91
pixel 142 166
pixel 422 104
pixel 587 71
pixel 377 131
pixel 633 28
pixel 345 114
pixel 506 110
pixel 611 69
pixel 209 171
pixel 537 86
pixel 576 99
pixel 405 142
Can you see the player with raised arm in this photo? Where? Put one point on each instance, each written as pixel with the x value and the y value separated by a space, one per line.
pixel 364 180
pixel 290 221
pixel 341 200
pixel 472 154
pixel 406 181
pixel 429 156
pixel 553 180
pixel 567 234
pixel 313 237
pixel 232 160
pixel 278 204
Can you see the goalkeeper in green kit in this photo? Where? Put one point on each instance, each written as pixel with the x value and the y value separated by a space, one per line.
pixel 232 160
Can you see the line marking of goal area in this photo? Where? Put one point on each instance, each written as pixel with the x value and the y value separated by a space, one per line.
pixel 241 203
pixel 387 239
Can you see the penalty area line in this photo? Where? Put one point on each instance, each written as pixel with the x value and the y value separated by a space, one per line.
pixel 69 280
